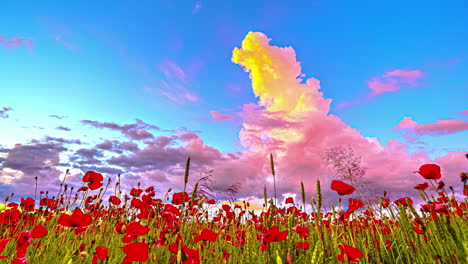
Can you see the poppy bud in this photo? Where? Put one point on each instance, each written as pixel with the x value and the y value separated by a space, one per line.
pixel 463 176
pixel 82 247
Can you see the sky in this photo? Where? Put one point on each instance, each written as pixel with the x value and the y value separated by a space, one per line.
pixel 135 87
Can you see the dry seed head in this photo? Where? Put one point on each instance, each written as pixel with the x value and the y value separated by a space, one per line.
pixel 187 168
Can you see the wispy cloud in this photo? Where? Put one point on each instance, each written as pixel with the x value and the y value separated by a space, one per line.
pixel 438 128
pixel 57 116
pixel 63 128
pixel 395 80
pixel 197 7
pixel 4 112
pixel 16 42
pixel 137 131
pixel 217 116
pixel 176 83
pixel 391 81
pixel 59 32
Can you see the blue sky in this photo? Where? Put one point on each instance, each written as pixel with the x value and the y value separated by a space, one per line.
pixel 168 63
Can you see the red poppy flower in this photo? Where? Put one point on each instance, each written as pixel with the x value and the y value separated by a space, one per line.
pixel 76 219
pixel 385 202
pixel 47 202
pixel 405 201
pixel 192 254
pixel 137 251
pixel 430 171
pixel 133 230
pixel 136 192
pixel 14 205
pixel 27 204
pixel 422 186
pixel 211 201
pixel 289 200
pixel 94 180
pixel 10 217
pixel 303 245
pixel 273 235
pixel 22 260
pixel 352 253
pixel 178 198
pixel 3 243
pixel 354 204
pixel 119 227
pixel 82 189
pixel 206 235
pixel 22 243
pixel 114 200
pixel 342 188
pixel 39 231
pixel 101 253
pixel 303 231
pixel 226 207
pixel 441 185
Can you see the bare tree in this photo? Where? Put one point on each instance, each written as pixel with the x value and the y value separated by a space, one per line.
pixel 346 165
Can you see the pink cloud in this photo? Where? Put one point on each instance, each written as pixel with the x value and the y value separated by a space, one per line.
pixel 171 70
pixel 464 112
pixel 217 116
pixel 453 62
pixel 176 83
pixel 16 42
pixel 438 128
pixel 395 80
pixel 292 121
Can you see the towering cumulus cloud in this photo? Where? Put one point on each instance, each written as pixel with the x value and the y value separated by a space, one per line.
pixel 292 120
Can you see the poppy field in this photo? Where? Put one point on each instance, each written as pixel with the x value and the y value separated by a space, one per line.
pixel 86 226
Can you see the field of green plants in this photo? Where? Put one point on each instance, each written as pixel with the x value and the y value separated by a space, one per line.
pixel 84 226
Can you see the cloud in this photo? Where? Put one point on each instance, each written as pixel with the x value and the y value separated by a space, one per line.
pixel 16 42
pixel 464 112
pixel 59 32
pixel 4 112
pixel 137 131
pixel 292 121
pixel 57 116
pixel 176 83
pixel 217 116
pixel 197 7
pixel 63 128
pixel 39 159
pixel 395 80
pixel 438 128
